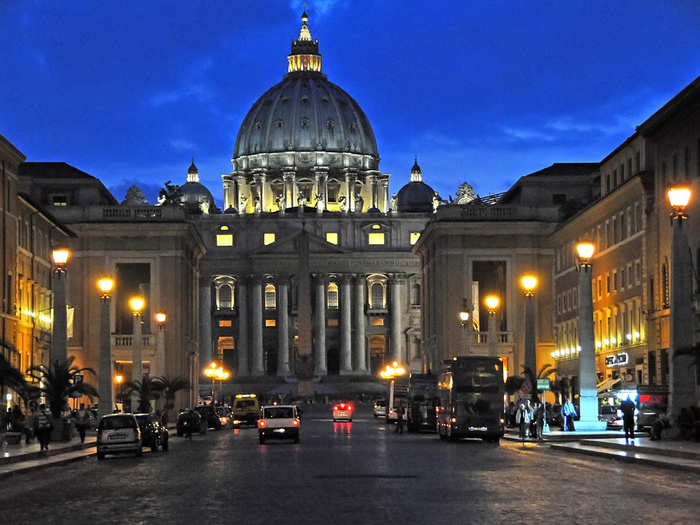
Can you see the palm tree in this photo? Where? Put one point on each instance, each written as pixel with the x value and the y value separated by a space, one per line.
pixel 545 371
pixel 11 377
pixel 170 387
pixel 146 390
pixel 58 381
pixel 513 384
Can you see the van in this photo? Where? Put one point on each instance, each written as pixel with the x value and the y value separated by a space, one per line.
pixel 246 408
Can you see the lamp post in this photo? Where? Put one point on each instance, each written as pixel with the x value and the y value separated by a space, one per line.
pixel 136 303
pixel 391 372
pixel 59 345
pixel 106 405
pixel 492 302
pixel 463 319
pixel 681 380
pixel 529 285
pixel 218 373
pixel 158 369
pixel 588 392
pixel 210 372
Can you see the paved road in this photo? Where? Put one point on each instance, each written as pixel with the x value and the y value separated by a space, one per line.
pixel 341 473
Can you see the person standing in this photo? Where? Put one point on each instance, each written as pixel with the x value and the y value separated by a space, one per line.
pixel 537 420
pixel 523 417
pixel 628 408
pixel 400 413
pixel 43 423
pixel 568 412
pixel 82 421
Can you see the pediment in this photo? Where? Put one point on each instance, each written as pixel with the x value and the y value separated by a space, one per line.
pixel 292 245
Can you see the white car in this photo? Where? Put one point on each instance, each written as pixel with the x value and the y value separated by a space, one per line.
pixel 279 422
pixel 118 433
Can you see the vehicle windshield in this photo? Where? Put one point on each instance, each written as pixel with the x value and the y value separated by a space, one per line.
pixel 485 377
pixel 142 420
pixel 115 422
pixel 278 413
pixel 245 403
pixel 478 404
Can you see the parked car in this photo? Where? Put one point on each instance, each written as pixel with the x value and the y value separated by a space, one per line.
pixel 612 415
pixel 379 408
pixel 189 421
pixel 118 433
pixel 279 422
pixel 343 411
pixel 209 416
pixel 153 433
pixel 225 416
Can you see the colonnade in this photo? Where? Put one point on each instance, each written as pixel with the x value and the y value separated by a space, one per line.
pixel 353 349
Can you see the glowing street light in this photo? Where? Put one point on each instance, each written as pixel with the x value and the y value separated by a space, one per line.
pixel 60 257
pixel 529 284
pixel 463 318
pixel 391 371
pixel 59 340
pixel 137 304
pixel 678 197
pixel 160 318
pixel 106 405
pixel 119 379
pixel 492 302
pixel 585 251
pixel 216 372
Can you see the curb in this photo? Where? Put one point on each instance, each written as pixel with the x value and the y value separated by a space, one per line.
pixel 20 468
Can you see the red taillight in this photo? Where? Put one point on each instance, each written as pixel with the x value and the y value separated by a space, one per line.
pixel 262 423
pixel 351 408
pixel 295 422
pixel 342 406
pixel 335 407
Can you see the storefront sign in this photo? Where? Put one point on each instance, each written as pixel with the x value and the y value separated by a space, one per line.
pixel 620 359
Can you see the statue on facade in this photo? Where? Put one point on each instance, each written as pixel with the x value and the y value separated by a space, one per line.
pixel 394 203
pixel 302 199
pixel 436 202
pixel 170 195
pixel 359 202
pixel 465 193
pixel 256 203
pixel 243 201
pixel 342 201
pixel 279 199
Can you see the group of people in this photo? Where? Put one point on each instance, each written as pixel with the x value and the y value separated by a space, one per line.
pixel 529 418
pixel 39 422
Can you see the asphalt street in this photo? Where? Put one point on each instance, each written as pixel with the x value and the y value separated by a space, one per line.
pixel 349 473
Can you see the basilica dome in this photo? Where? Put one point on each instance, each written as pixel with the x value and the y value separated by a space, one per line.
pixel 416 196
pixel 194 195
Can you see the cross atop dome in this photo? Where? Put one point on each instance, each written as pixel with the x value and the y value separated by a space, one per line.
pixel 304 55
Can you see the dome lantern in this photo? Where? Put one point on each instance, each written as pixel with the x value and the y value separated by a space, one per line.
pixel 192 173
pixel 416 173
pixel 304 55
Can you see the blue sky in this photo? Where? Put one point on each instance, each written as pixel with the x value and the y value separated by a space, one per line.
pixel 482 92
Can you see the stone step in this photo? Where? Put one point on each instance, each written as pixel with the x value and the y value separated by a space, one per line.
pixel 46 461
pixel 630 456
pixel 660 448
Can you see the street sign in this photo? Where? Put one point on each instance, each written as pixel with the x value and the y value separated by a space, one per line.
pixel 77 378
pixel 543 384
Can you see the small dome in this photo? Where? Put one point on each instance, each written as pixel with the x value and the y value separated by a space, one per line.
pixel 196 195
pixel 416 196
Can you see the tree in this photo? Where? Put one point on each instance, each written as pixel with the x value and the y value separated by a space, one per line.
pixel 134 197
pixel 170 387
pixel 513 384
pixel 58 381
pixel 545 371
pixel 10 376
pixel 147 390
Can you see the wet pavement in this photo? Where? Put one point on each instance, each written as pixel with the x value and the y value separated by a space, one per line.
pixel 343 473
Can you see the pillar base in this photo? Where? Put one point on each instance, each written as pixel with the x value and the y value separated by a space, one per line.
pixel 283 373
pixel 257 373
pixel 348 372
pixel 590 426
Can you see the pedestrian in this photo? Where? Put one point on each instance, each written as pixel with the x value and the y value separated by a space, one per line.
pixel 537 420
pixel 43 424
pixel 400 414
pixel 568 412
pixel 17 419
pixel 82 421
pixel 523 416
pixel 628 408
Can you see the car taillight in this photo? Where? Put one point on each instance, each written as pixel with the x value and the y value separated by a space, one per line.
pixel 454 419
pixel 295 422
pixel 335 407
pixel 342 406
pixel 351 408
pixel 262 423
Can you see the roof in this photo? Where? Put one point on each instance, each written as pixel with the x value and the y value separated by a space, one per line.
pixel 61 170
pixel 670 108
pixel 566 168
pixel 48 216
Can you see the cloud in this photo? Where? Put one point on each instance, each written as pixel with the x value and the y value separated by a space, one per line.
pixel 526 134
pixel 199 92
pixel 316 7
pixel 182 144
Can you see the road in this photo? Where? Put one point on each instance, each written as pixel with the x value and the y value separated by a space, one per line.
pixel 349 473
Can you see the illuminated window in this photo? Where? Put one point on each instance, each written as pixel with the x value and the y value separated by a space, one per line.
pixel 375 238
pixel 59 200
pixel 377 295
pixel 270 297
pixel 333 322
pixel 332 295
pixel 332 237
pixel 377 321
pixel 268 238
pixel 270 323
pixel 223 228
pixel 224 239
pixel 225 299
pixel 414 237
pixel 376 227
pixel 225 323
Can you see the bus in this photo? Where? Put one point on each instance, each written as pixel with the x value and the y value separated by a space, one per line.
pixel 422 400
pixel 471 395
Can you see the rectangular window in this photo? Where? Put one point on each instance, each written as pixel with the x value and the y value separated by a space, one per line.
pixel 332 237
pixel 414 237
pixel 268 238
pixel 607 283
pixel 333 322
pixel 622 278
pixel 224 323
pixel 607 183
pixel 270 323
pixel 629 167
pixel 377 321
pixel 224 239
pixel 614 281
pixel 637 272
pixel 600 288
pixel 375 238
pixel 59 200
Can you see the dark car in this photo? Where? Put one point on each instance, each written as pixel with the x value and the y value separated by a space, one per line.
pixel 153 433
pixel 209 416
pixel 189 421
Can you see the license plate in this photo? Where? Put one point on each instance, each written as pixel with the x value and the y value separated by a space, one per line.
pixel 477 429
pixel 280 430
pixel 117 436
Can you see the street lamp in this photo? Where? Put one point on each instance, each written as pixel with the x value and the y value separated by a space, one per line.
pixel 492 302
pixel 681 380
pixel 137 304
pixel 528 283
pixel 215 372
pixel 60 257
pixel 159 361
pixel 588 392
pixel 106 404
pixel 391 372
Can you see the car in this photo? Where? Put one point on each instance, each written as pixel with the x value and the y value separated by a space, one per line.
pixel 209 416
pixel 343 411
pixel 118 433
pixel 224 414
pixel 189 421
pixel 246 408
pixel 153 433
pixel 279 422
pixel 379 408
pixel 612 416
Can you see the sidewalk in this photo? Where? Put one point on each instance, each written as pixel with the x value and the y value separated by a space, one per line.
pixel 558 436
pixel 673 454
pixel 22 457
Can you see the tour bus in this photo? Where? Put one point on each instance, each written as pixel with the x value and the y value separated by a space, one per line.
pixel 422 400
pixel 471 393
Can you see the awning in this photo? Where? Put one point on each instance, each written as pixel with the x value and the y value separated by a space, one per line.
pixel 607 384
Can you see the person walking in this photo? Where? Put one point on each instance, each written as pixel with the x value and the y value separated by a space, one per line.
pixel 537 420
pixel 82 421
pixel 43 424
pixel 400 414
pixel 628 408
pixel 523 417
pixel 568 412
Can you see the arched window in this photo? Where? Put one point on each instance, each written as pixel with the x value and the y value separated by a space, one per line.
pixel 225 297
pixel 665 296
pixel 332 298
pixel 377 295
pixel 270 297
pixel 415 294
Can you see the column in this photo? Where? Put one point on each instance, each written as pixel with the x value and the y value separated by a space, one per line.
pixel 371 182
pixel 348 193
pixel 205 344
pixel 396 284
pixel 242 340
pixel 257 367
pixel 385 194
pixel 359 322
pixel 283 327
pixel 105 380
pixel 345 325
pixel 59 343
pixel 320 368
pixel 136 361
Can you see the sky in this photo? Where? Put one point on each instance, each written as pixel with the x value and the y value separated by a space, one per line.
pixel 483 92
